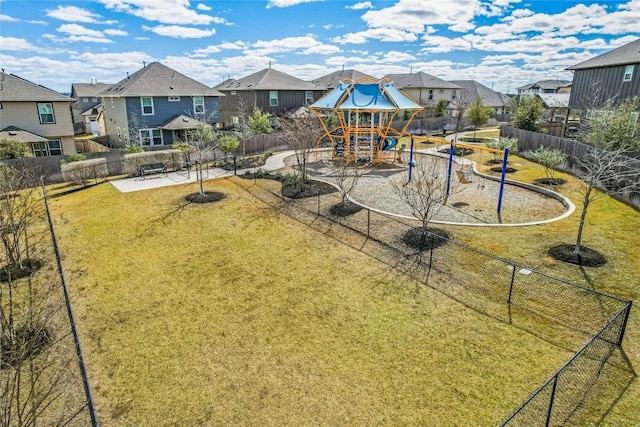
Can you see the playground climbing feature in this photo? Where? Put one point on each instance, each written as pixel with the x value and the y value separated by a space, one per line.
pixel 357 118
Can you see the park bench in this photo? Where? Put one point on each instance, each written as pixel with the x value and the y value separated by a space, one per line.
pixel 151 168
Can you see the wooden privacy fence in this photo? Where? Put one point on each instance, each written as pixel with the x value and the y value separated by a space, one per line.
pixel 530 141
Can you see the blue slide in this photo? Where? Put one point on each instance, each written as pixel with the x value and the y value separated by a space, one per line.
pixel 388 143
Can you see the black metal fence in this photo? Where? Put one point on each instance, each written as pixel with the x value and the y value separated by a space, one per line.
pixel 563 313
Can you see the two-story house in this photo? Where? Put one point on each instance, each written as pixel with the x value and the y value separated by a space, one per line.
pixel 330 81
pixel 270 90
pixel 86 106
pixel 612 76
pixel 424 88
pixel 36 115
pixel 545 86
pixel 156 105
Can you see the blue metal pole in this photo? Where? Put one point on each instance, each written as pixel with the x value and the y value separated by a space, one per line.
pixel 504 172
pixel 450 166
pixel 410 157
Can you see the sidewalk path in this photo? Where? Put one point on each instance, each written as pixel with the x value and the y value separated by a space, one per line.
pixel 127 185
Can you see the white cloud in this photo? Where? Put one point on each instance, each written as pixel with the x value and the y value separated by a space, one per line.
pixel 382 34
pixel 305 45
pixel 13 43
pixel 202 6
pixel 7 18
pixel 113 32
pixel 79 30
pixel 360 6
pixel 163 11
pixel 180 32
pixel 287 3
pixel 74 14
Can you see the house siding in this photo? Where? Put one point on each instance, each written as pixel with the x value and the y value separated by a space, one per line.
pixel 115 116
pixel 593 86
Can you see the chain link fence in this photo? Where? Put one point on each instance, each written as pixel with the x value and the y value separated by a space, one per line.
pixel 563 313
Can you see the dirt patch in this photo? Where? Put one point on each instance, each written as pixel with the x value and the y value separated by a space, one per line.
pixel 207 197
pixel 345 209
pixel 553 182
pixel 30 266
pixel 587 257
pixel 421 239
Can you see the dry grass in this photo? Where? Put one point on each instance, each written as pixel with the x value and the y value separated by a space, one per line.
pixel 229 314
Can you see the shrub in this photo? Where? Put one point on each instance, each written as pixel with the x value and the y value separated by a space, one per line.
pixel 14 149
pixel 75 157
pixel 133 148
pixel 549 158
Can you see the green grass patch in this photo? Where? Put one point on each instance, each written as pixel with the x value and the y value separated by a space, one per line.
pixel 229 313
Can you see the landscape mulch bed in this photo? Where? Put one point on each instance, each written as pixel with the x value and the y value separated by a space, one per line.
pixel 207 197
pixel 587 257
pixel 421 239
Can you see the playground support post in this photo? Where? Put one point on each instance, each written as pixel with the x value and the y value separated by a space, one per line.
pixel 450 166
pixel 504 172
pixel 410 157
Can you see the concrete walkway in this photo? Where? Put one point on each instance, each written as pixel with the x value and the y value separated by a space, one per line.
pixel 127 185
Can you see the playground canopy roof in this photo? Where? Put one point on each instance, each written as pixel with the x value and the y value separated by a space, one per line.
pixel 368 96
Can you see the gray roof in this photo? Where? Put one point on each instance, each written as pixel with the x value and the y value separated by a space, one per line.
pixel 179 122
pixel 547 84
pixel 627 54
pixel 14 88
pixel 419 80
pixel 88 90
pixel 490 98
pixel 12 132
pixel 558 100
pixel 267 79
pixel 157 79
pixel 330 81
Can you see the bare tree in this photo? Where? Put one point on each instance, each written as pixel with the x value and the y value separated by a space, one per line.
pixel 460 105
pixel 426 194
pixel 345 176
pixel 37 383
pixel 302 133
pixel 241 128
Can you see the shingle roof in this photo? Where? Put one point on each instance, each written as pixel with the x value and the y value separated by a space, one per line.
pixel 627 54
pixel 546 84
pixel 267 79
pixel 490 98
pixel 558 100
pixel 419 80
pixel 87 90
pixel 330 81
pixel 157 79
pixel 14 88
pixel 12 132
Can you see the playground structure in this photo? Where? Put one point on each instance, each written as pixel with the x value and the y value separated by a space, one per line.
pixel 364 110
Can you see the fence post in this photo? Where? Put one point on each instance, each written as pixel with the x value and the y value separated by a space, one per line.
pixel 513 276
pixel 553 395
pixel 623 327
pixel 95 175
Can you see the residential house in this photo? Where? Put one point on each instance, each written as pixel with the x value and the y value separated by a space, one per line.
pixel 36 115
pixel 497 101
pixel 270 90
pixel 86 106
pixel 330 81
pixel 424 88
pixel 556 106
pixel 156 105
pixel 545 86
pixel 614 75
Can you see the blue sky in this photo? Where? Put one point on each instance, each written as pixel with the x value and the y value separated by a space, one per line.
pixel 502 43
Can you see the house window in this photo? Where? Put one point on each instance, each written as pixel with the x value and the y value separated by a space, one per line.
pixel 430 93
pixel 273 98
pixel 628 73
pixel 441 91
pixel 94 99
pixel 85 99
pixel 49 148
pixel 453 94
pixel 147 106
pixel 234 93
pixel 308 97
pixel 45 111
pixel 174 98
pixel 198 105
pixel 119 134
pixel 150 137
pixel 235 120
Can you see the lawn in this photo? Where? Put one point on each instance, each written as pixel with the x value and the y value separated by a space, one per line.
pixel 231 314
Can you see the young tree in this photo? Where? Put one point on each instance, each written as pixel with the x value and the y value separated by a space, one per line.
pixel 441 108
pixel 14 149
pixel 203 140
pixel 345 176
pixel 501 144
pixel 426 194
pixel 228 144
pixel 460 104
pixel 259 122
pixel 528 113
pixel 301 133
pixel 614 127
pixel 550 159
pixel 477 114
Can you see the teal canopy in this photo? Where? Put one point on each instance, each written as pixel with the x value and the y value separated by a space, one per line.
pixel 365 96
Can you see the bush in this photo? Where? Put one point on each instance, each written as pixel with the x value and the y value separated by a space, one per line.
pixel 14 149
pixel 82 171
pixel 132 148
pixel 75 157
pixel 549 158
